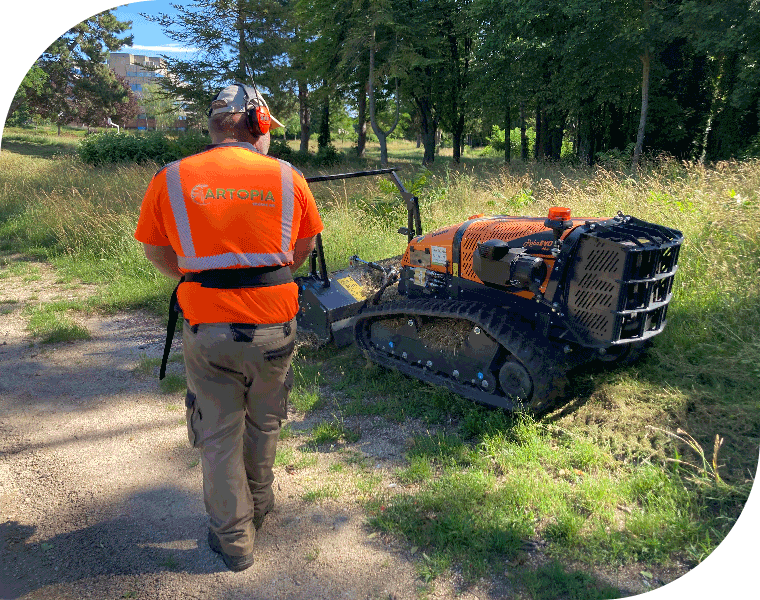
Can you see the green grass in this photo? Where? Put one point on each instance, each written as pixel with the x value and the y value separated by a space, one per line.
pixel 603 479
pixel 52 323
pixel 42 142
pixel 305 395
pixel 8 305
pixel 328 432
pixel 313 554
pixel 173 383
pixel 322 492
pixel 554 581
pixel 149 366
pixel 295 459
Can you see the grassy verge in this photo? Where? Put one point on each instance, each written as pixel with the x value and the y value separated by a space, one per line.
pixel 606 478
pixel 41 142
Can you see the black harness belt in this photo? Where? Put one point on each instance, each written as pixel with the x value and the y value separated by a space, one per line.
pixel 222 279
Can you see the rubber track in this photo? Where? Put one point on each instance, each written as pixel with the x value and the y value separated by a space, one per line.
pixel 544 360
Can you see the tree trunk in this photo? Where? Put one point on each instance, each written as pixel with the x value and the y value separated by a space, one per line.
pixel 523 133
pixel 457 134
pixel 242 50
pixel 556 131
pixel 381 135
pixel 324 126
pixel 507 131
pixel 361 126
pixel 538 150
pixel 428 126
pixel 585 134
pixel 716 106
pixel 644 107
pixel 458 101
pixel 304 115
pixel 428 143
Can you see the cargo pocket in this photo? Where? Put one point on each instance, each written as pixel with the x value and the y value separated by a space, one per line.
pixel 193 415
pixel 288 385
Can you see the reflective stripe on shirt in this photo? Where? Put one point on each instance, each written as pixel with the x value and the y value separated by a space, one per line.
pixel 179 209
pixel 286 173
pixel 233 259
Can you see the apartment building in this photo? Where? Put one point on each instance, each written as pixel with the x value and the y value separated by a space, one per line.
pixel 139 71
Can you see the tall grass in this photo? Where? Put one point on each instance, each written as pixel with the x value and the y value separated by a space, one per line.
pixel 604 477
pixel 82 219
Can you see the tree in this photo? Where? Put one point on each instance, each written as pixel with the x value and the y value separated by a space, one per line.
pixel 33 84
pixel 645 67
pixel 159 105
pixel 237 40
pixel 78 82
pixel 381 133
pixel 125 111
pixel 459 29
pixel 421 65
pixel 111 99
pixel 723 37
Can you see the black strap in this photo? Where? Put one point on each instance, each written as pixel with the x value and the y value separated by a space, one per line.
pixel 249 277
pixel 170 327
pixel 222 279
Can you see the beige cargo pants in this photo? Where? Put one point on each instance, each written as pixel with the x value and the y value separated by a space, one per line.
pixel 238 380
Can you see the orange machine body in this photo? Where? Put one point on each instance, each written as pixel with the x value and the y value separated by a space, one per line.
pixel 450 250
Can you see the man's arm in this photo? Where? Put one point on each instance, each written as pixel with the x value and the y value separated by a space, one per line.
pixel 301 251
pixel 164 258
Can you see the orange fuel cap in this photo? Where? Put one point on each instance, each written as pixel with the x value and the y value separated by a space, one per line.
pixel 559 213
pixel 478 216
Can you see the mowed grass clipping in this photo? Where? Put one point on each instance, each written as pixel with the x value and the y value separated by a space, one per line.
pixel 610 477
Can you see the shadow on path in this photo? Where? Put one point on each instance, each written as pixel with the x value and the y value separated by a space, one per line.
pixel 162 531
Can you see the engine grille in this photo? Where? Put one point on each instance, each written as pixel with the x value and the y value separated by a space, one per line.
pixel 490 229
pixel 622 281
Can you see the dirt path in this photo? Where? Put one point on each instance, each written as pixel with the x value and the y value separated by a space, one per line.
pixel 100 493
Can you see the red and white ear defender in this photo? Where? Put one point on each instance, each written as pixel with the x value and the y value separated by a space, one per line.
pixel 257 117
pixel 259 120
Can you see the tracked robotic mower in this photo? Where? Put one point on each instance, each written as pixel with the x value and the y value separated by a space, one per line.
pixel 498 309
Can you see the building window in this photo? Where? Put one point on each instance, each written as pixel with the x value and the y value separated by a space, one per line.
pixel 136 87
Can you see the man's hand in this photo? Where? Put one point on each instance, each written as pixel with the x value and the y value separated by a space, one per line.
pixel 164 258
pixel 301 251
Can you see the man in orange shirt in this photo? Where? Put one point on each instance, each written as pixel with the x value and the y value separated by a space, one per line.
pixel 233 224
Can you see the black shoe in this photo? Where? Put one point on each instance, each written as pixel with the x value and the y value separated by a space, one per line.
pixel 234 563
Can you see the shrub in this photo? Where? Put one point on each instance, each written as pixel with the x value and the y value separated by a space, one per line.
pixel 497 140
pixel 109 147
pixel 328 156
pixel 280 149
pixel 753 149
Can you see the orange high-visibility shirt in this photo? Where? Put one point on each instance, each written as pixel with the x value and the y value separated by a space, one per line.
pixel 230 207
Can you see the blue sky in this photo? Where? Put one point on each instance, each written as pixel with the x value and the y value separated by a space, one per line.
pixel 26 29
pixel 149 37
